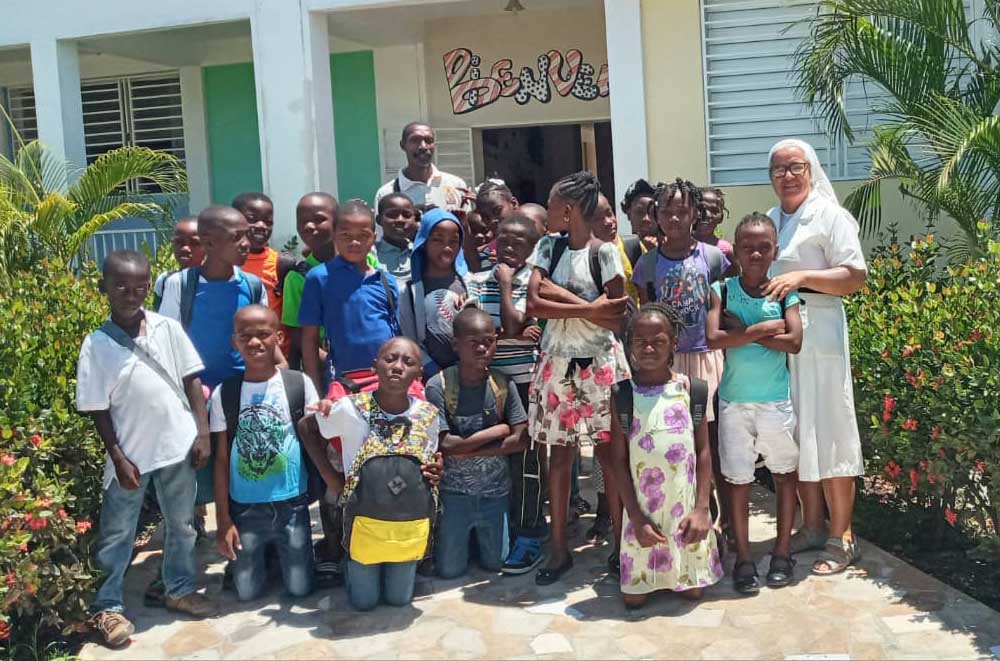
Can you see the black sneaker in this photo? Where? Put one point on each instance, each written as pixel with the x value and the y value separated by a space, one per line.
pixel 525 556
pixel 329 575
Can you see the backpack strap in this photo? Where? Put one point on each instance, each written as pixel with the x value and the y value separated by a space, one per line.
pixel 715 259
pixel 595 268
pixel 395 185
pixel 633 248
pixel 723 293
pixel 124 340
pixel 231 389
pixel 623 405
pixel 295 393
pixel 699 400
pixel 390 297
pixel 256 286
pixel 498 384
pixel 189 287
pixel 558 248
pixel 450 381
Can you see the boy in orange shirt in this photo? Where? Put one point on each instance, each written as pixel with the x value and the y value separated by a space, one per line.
pixel 258 209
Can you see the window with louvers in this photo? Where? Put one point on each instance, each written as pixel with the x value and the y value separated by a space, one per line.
pixel 140 111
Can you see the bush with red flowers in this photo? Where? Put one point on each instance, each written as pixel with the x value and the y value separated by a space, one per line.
pixel 925 344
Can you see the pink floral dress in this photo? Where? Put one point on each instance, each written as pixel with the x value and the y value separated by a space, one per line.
pixel 663 461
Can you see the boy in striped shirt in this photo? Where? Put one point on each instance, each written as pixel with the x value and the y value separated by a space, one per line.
pixel 502 291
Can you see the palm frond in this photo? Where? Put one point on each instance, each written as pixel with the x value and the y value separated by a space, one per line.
pixel 78 239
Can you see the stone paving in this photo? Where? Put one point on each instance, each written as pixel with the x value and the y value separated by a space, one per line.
pixel 883 609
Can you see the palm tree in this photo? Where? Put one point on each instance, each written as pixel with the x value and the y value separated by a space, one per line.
pixel 924 69
pixel 42 216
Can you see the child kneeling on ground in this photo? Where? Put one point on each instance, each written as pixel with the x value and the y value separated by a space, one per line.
pixel 755 410
pixel 388 439
pixel 260 473
pixel 482 421
pixel 663 461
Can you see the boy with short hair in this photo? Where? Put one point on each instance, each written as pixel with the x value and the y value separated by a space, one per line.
pixel 503 293
pixel 260 473
pixel 139 372
pixel 204 298
pixel 756 416
pixel 481 422
pixel 262 261
pixel 187 250
pixel 399 220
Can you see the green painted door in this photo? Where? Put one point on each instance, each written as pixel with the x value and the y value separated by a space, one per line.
pixel 355 125
pixel 231 126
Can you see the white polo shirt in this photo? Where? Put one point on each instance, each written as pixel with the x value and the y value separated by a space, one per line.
pixel 443 190
pixel 153 426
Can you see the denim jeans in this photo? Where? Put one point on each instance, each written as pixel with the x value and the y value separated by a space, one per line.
pixel 391 582
pixel 286 525
pixel 461 515
pixel 175 491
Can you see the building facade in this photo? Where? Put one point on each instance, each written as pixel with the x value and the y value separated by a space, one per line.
pixel 290 96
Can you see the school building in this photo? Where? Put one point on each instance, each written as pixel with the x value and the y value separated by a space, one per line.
pixel 289 96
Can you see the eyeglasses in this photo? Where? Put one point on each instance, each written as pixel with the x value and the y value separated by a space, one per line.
pixel 797 170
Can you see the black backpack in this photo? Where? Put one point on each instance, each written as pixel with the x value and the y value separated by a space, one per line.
pixel 295 392
pixel 624 396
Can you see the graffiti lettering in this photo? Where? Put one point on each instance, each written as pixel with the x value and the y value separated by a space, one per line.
pixel 568 74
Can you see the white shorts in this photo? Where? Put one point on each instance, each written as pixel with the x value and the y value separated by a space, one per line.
pixel 748 430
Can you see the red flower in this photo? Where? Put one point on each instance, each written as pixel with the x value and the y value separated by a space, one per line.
pixel 604 436
pixel 547 370
pixel 38 524
pixel 893 470
pixel 910 424
pixel 11 579
pixel 83 526
pixel 604 376
pixel 28 516
pixel 936 432
pixel 7 460
pixel 976 335
pixel 586 411
pixel 931 479
pixel 36 440
pixel 23 547
pixel 552 401
pixel 980 466
pixel 888 406
pixel 950 517
pixel 61 514
pixel 569 417
pixel 914 480
pixel 923 465
pixel 4 631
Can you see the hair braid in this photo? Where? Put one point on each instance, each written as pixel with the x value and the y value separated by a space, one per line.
pixel 666 312
pixel 755 218
pixel 581 189
pixel 689 192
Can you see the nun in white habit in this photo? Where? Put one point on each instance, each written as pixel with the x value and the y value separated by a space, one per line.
pixel 820 256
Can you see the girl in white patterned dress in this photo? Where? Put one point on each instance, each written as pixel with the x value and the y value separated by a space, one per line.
pixel 664 467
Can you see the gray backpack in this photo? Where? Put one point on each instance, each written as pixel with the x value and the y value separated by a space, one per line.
pixel 645 269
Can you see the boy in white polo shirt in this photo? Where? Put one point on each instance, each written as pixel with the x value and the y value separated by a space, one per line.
pixel 137 377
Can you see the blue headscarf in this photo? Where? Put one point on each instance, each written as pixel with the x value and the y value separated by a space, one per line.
pixel 428 222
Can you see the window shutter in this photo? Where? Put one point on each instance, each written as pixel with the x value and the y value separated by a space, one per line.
pixel 454 153
pixel 104 117
pixel 21 107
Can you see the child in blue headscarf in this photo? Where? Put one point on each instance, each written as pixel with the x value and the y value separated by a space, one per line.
pixel 436 291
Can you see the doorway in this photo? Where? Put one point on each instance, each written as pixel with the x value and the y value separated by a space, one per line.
pixel 532 158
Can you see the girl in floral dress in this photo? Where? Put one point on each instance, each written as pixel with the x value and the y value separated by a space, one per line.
pixel 664 467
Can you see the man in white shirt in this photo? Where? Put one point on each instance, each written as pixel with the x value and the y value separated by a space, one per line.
pixel 420 180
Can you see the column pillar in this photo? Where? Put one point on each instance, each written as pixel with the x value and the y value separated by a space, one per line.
pixel 627 96
pixel 291 58
pixel 55 67
pixel 195 139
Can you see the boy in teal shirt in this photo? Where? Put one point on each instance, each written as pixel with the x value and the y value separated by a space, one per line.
pixel 755 409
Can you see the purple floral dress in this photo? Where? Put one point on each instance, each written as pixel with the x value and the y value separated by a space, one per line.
pixel 662 460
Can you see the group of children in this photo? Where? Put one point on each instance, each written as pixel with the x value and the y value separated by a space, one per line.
pixel 450 370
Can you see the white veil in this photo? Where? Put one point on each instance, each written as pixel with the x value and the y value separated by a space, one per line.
pixel 821 185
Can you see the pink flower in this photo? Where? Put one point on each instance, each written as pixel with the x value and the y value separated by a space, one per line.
pixel 23 547
pixel 586 411
pixel 690 469
pixel 888 406
pixel 83 526
pixel 893 470
pixel 547 370
pixel 936 432
pixel 38 524
pixel 910 424
pixel 634 428
pixel 586 373
pixel 950 517
pixel 7 460
pixel 629 533
pixel 10 579
pixel 552 401
pixel 626 563
pixel 676 453
pixel 716 563
pixel 36 440
pixel 646 443
pixel 677 511
pixel 676 419
pixel 914 480
pixel 61 514
pixel 568 418
pixel 980 466
pixel 604 436
pixel 660 559
pixel 604 376
pixel 655 501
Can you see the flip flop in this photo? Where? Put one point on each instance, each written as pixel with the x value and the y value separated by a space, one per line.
pixel 549 575
pixel 837 555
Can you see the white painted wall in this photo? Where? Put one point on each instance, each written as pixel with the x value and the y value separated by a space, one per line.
pixel 400 97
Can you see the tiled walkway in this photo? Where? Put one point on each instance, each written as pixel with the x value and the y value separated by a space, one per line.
pixel 885 609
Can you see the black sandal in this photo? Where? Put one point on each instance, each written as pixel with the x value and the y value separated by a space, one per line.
pixel 549 575
pixel 781 572
pixel 743 582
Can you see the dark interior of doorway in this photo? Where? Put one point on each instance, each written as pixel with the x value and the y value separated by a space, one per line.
pixel 531 158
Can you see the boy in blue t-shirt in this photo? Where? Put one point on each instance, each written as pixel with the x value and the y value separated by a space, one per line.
pixel 260 473
pixel 755 409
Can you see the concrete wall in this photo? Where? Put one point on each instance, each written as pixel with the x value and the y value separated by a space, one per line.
pixel 521 39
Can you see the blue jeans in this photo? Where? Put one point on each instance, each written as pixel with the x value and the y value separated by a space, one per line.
pixel 461 515
pixel 175 491
pixel 391 582
pixel 286 525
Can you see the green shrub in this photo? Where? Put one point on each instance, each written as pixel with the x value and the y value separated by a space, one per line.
pixel 51 460
pixel 925 343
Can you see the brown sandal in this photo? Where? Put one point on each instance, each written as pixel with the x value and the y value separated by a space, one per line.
pixel 837 555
